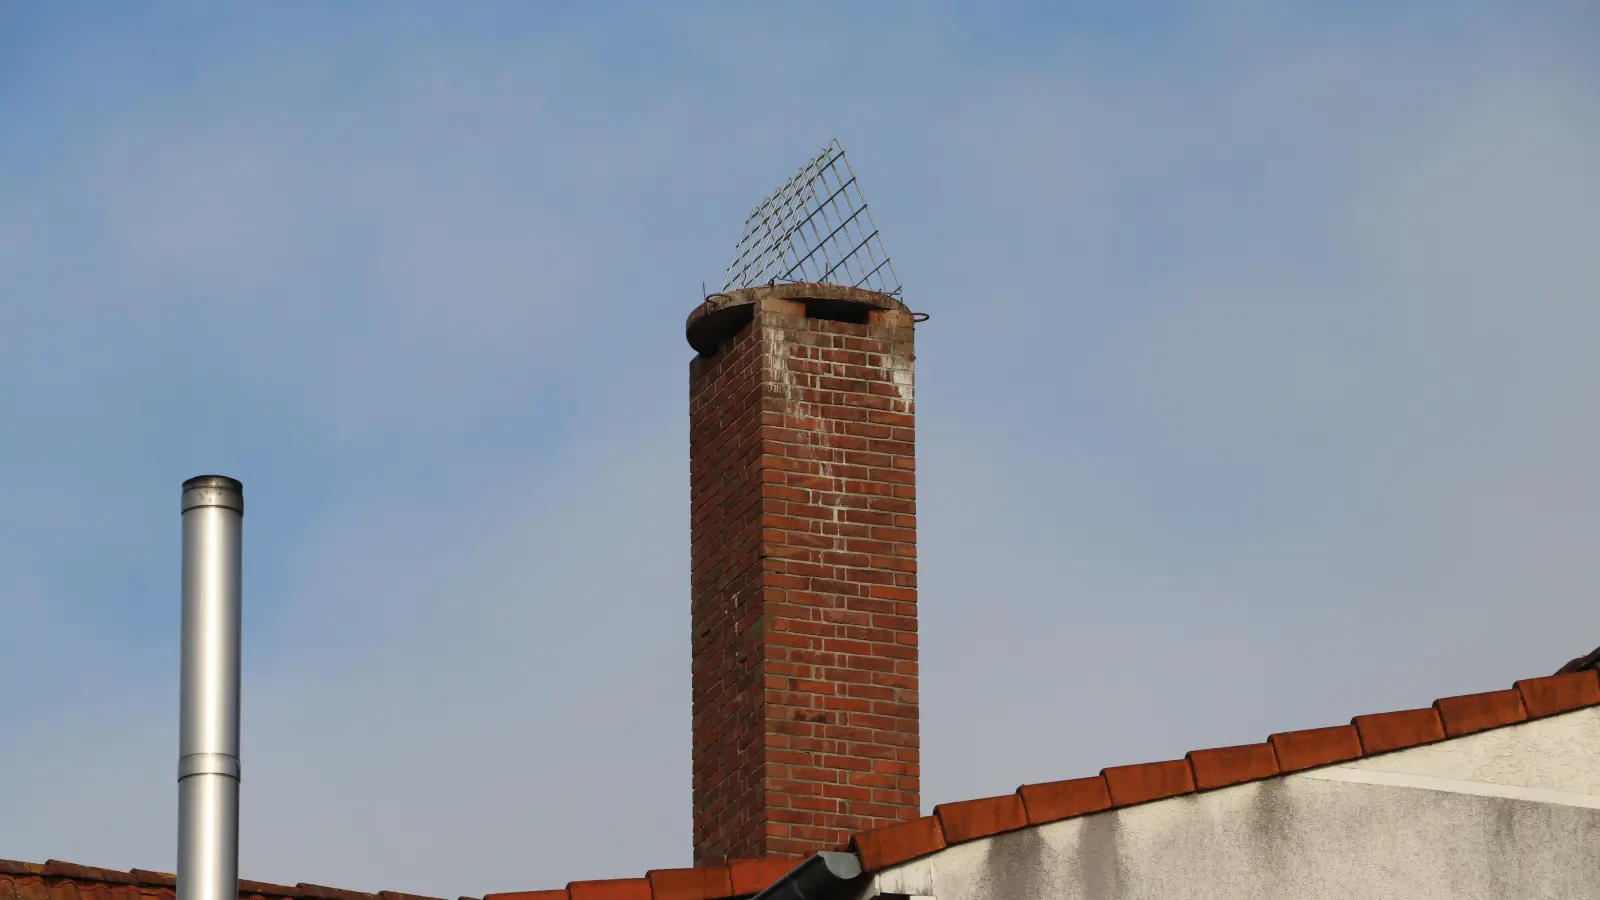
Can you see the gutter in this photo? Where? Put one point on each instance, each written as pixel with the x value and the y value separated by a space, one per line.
pixel 829 875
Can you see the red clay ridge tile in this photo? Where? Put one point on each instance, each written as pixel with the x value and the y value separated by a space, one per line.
pixel 14 867
pixel 323 892
pixel 703 883
pixel 526 895
pixel 894 844
pixel 1056 800
pixel 1313 747
pixel 397 895
pixel 1382 732
pixel 610 889
pixel 58 869
pixel 1476 712
pixel 145 876
pixel 752 876
pixel 268 888
pixel 1316 747
pixel 1223 766
pixel 968 820
pixel 1148 781
pixel 1559 693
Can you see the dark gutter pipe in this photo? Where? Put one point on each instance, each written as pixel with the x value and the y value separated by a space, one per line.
pixel 825 876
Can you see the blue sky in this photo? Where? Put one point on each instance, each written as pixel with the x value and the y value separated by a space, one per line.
pixel 1257 393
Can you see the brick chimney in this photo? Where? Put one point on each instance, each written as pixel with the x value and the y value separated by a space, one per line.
pixel 804 600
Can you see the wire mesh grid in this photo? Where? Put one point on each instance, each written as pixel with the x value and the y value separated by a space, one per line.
pixel 814 227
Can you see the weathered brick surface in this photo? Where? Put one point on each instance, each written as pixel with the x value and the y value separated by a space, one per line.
pixel 803 531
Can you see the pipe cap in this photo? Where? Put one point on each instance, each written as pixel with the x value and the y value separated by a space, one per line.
pixel 213 490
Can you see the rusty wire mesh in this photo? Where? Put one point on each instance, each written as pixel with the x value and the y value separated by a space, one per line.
pixel 814 227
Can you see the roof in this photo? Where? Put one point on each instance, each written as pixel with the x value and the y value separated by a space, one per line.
pixel 56 880
pixel 1576 686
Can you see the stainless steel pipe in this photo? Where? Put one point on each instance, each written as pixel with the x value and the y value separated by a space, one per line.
pixel 208 720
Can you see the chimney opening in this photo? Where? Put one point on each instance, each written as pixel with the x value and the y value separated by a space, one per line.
pixel 838 311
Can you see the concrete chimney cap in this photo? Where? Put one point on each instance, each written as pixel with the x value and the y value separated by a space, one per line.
pixel 723 314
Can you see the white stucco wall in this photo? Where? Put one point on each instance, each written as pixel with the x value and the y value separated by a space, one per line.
pixel 1506 814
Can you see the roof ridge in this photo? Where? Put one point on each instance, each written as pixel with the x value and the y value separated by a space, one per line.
pixel 1199 771
pixel 736 878
pixel 59 870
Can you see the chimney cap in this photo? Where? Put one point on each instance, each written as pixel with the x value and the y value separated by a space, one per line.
pixel 213 490
pixel 723 314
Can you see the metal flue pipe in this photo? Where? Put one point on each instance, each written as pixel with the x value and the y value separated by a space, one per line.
pixel 208 721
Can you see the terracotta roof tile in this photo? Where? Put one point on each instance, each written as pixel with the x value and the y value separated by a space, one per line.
pixel 267 888
pixel 1223 766
pixel 971 819
pixel 1559 693
pixel 146 876
pixel 396 895
pixel 610 889
pixel 1055 800
pixel 28 887
pixel 1148 781
pixel 59 869
pixel 894 844
pixel 1382 732
pixel 1299 750
pixel 323 892
pixel 752 876
pixel 1477 712
pixel 528 895
pixel 13 867
pixel 703 883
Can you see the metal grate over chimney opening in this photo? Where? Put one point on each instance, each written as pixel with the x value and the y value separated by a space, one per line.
pixel 816 228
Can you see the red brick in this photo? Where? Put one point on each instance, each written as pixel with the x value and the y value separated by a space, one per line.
pixel 1559 693
pixel 894 844
pixel 1222 766
pixel 1055 800
pixel 971 819
pixel 769 545
pixel 1298 750
pixel 1148 781
pixel 1477 712
pixel 1382 732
